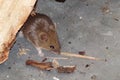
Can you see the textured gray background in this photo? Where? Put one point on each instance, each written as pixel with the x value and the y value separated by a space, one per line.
pixel 97 33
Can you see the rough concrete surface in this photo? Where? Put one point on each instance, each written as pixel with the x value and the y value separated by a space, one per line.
pixel 82 25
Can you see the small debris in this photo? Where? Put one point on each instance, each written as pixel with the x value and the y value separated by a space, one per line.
pixel 87 65
pixel 69 42
pixel 105 60
pixel 55 78
pixel 79 56
pixel 45 59
pixel 55 63
pixel 23 51
pixel 67 29
pixel 7 76
pixel 41 65
pixel 80 18
pixel 31 75
pixel 107 48
pixel 83 73
pixel 116 19
pixel 9 67
pixel 66 69
pixel 51 65
pixel 105 9
pixel 14 63
pixel 56 58
pixel 108 33
pixel 33 78
pixel 94 77
pixel 81 52
pixel 29 57
pixel 87 4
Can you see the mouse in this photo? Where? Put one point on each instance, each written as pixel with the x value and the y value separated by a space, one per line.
pixel 40 30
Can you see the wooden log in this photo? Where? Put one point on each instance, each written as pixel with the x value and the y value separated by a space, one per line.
pixel 13 14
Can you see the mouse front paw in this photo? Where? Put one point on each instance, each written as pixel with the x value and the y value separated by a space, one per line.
pixel 40 53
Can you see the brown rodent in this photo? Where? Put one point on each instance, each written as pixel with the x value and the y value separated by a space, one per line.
pixel 40 30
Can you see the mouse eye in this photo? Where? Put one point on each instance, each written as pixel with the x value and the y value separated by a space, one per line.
pixel 52 47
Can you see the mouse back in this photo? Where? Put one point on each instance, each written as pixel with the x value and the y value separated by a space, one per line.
pixel 41 32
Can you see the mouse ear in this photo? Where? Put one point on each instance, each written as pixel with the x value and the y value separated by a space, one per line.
pixel 43 37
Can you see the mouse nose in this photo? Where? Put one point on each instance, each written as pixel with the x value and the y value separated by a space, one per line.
pixel 56 51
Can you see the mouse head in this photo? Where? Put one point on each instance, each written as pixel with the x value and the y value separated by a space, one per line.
pixel 49 39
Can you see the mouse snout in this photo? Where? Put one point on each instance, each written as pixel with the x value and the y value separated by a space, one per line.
pixel 57 51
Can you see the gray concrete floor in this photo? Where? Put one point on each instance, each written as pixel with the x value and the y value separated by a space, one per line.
pixel 90 26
